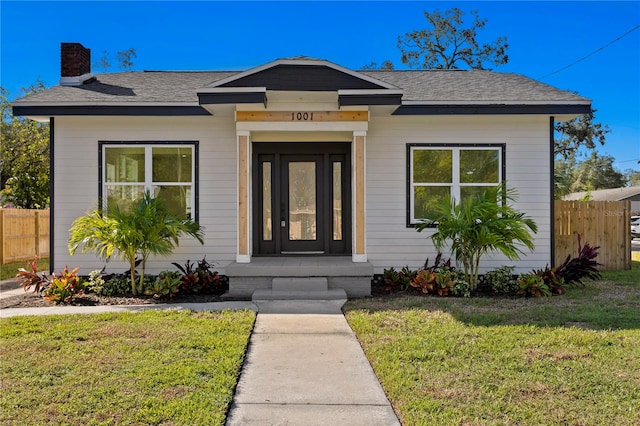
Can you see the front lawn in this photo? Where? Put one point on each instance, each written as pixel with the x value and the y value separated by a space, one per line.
pixel 570 359
pixel 153 367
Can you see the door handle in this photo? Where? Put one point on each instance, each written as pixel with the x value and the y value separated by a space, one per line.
pixel 283 223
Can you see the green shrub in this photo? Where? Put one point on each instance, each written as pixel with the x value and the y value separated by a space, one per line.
pixel 461 287
pixel 398 280
pixel 501 281
pixel 114 285
pixel 532 285
pixel 165 286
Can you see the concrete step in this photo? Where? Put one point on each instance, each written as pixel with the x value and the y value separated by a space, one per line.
pixel 328 294
pixel 299 284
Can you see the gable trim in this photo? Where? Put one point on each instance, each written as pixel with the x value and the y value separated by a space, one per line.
pixel 301 62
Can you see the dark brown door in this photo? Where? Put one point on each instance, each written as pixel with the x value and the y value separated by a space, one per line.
pixel 301 201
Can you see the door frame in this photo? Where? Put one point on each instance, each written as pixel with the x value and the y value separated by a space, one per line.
pixel 330 153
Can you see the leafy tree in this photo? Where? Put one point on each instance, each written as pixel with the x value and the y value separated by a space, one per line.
pixel 633 177
pixel 384 65
pixel 593 173
pixel 580 132
pixel 146 229
pixel 446 43
pixel 103 62
pixel 481 225
pixel 597 172
pixel 124 59
pixel 24 156
pixel 563 176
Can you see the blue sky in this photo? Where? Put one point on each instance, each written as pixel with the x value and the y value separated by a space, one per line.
pixel 543 37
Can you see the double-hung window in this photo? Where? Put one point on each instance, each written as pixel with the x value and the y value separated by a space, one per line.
pixel 438 172
pixel 166 170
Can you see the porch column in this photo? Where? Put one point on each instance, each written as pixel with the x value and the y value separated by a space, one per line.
pixel 244 254
pixel 359 189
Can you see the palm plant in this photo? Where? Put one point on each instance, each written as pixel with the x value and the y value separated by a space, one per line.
pixel 146 229
pixel 481 225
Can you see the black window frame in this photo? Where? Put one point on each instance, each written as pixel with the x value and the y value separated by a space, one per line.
pixel 409 178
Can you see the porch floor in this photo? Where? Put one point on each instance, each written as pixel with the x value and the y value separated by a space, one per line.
pixel 340 272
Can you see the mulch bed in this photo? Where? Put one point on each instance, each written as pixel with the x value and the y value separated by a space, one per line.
pixel 34 300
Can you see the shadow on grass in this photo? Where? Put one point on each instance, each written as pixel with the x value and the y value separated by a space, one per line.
pixel 608 304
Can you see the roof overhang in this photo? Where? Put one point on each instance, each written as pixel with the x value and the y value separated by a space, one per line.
pixel 38 111
pixel 561 109
pixel 366 97
pixel 232 95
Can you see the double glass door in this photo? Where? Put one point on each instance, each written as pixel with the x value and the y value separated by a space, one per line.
pixel 302 198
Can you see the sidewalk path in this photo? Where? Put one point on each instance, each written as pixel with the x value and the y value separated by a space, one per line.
pixel 307 369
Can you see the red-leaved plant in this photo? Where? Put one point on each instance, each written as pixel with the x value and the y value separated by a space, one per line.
pixel 31 278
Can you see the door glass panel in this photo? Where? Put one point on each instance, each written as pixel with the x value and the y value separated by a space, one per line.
pixel 267 230
pixel 302 201
pixel 337 201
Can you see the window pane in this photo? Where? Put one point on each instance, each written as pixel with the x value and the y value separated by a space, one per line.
pixel 302 201
pixel 337 201
pixel 426 197
pixel 468 193
pixel 267 230
pixel 432 165
pixel 172 164
pixel 124 164
pixel 479 166
pixel 176 198
pixel 124 196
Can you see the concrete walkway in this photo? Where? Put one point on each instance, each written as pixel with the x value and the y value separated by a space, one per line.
pixel 304 365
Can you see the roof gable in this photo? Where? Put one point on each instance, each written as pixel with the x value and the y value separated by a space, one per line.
pixel 303 74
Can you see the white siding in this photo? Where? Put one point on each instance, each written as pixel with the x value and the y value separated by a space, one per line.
pixel 76 182
pixel 391 243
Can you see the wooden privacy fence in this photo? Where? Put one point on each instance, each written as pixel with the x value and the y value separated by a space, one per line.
pixel 23 234
pixel 600 223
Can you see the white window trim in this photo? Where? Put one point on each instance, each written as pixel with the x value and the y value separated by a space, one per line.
pixel 148 183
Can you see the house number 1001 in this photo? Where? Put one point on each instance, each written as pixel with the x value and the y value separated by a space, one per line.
pixel 301 116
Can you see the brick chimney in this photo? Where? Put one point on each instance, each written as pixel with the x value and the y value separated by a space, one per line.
pixel 75 64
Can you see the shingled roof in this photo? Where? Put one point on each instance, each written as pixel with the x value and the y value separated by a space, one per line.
pixel 413 89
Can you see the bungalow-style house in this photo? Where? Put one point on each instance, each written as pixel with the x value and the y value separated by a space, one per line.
pixel 298 167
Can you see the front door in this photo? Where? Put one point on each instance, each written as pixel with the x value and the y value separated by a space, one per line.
pixel 302 198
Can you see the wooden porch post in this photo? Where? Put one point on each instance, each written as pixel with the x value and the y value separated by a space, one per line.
pixel 359 246
pixel 244 254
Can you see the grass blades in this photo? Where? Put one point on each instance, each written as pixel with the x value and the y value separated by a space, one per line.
pixel 160 367
pixel 569 359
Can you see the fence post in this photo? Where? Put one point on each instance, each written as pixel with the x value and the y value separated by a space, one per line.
pixel 37 227
pixel 2 236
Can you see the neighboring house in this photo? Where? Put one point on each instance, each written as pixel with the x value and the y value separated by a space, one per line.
pixel 631 193
pixel 299 157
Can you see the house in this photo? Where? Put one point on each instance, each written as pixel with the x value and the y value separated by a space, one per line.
pixel 631 193
pixel 299 167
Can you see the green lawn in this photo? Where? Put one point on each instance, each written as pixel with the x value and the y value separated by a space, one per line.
pixel 10 270
pixel 571 359
pixel 153 367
